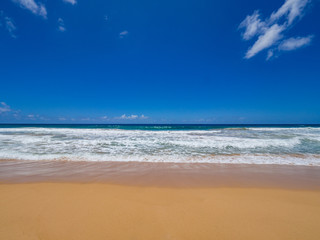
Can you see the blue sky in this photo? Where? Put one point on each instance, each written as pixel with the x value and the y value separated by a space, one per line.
pixel 117 61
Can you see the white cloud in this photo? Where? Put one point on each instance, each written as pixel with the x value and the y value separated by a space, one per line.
pixel 270 37
pixel 294 43
pixel 272 29
pixel 6 110
pixel 73 2
pixel 31 5
pixel 10 27
pixel 4 107
pixel 291 9
pixel 123 34
pixel 270 54
pixel 61 26
pixel 104 117
pixel 132 117
pixel 8 24
pixel 253 25
pixel 124 116
pixel 62 119
pixel 34 117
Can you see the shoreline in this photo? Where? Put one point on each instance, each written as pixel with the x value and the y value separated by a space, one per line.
pixel 180 175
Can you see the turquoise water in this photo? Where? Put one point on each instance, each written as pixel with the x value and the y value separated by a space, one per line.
pixel 158 126
pixel 252 144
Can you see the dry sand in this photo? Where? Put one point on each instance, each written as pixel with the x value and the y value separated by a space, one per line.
pixel 108 211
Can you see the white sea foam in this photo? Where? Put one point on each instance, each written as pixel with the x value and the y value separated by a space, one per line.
pixel 297 146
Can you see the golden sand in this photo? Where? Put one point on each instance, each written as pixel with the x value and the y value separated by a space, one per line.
pixel 105 211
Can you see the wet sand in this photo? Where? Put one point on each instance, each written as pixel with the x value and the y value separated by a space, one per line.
pixel 162 174
pixel 67 200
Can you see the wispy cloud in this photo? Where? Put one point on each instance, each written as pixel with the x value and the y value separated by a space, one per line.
pixel 8 24
pixel 132 117
pixel 73 2
pixel 124 116
pixel 4 107
pixel 253 25
pixel 266 40
pixel 291 9
pixel 294 43
pixel 61 26
pixel 123 34
pixel 36 8
pixel 270 32
pixel 8 114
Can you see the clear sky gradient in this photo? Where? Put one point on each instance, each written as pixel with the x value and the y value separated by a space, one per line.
pixel 160 61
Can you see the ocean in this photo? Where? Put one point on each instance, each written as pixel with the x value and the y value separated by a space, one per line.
pixel 178 143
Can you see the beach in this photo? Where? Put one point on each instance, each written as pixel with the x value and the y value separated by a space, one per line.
pixel 162 201
pixel 159 120
pixel 109 211
pixel 179 182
